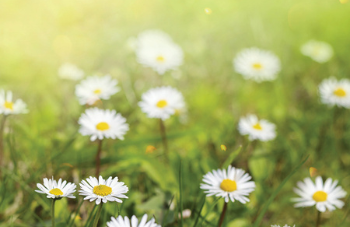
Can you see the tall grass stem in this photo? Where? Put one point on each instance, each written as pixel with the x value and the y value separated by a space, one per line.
pixel 98 158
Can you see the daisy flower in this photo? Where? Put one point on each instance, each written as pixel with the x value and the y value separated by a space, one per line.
pixel 101 124
pixel 162 102
pixel 8 106
pixel 70 72
pixel 232 184
pixel 318 51
pixel 152 38
pixel 56 190
pixel 95 88
pixel 256 129
pixel 324 196
pixel 256 64
pixel 335 92
pixel 103 190
pixel 134 222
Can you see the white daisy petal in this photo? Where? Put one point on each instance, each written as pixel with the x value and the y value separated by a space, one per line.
pixel 56 190
pixel 335 93
pixel 125 222
pixel 318 51
pixel 256 129
pixel 70 72
pixel 9 106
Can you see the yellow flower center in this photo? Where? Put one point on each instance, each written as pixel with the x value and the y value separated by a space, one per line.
pixel 160 58
pixel 257 66
pixel 320 196
pixel 97 91
pixel 228 185
pixel 56 191
pixel 102 126
pixel 340 92
pixel 162 103
pixel 102 190
pixel 8 105
pixel 257 126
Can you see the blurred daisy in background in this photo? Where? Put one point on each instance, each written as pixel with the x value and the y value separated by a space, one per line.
pixel 256 129
pixel 103 190
pixel 155 49
pixel 95 88
pixel 70 72
pixel 232 184
pixel 335 92
pixel 324 196
pixel 318 51
pixel 134 222
pixel 56 189
pixel 256 64
pixel 8 106
pixel 162 102
pixel 101 124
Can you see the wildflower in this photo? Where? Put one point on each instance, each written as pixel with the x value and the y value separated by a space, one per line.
pixel 101 124
pixel 323 196
pixel 335 92
pixel 70 72
pixel 8 106
pixel 56 190
pixel 318 51
pixel 256 64
pixel 134 222
pixel 232 184
pixel 103 190
pixel 256 129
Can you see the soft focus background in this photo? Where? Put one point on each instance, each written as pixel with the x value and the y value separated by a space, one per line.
pixel 37 36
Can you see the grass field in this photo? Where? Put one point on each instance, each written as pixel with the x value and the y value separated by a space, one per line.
pixel 37 36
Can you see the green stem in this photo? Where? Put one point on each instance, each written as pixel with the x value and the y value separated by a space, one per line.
pixel 2 127
pixel 97 216
pixel 98 158
pixel 164 139
pixel 53 212
pixel 318 219
pixel 222 217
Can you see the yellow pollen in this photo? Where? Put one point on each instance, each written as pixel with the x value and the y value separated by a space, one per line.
pixel 228 185
pixel 320 196
pixel 8 105
pixel 56 191
pixel 162 103
pixel 160 58
pixel 102 126
pixel 97 91
pixel 257 126
pixel 340 92
pixel 257 66
pixel 102 190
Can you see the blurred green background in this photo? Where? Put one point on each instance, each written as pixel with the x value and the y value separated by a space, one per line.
pixel 37 36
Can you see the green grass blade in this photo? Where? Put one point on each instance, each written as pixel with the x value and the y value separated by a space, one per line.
pixel 232 157
pixel 209 210
pixel 180 188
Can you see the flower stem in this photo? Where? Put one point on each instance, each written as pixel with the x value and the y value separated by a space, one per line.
pixel 164 139
pixel 98 158
pixel 222 216
pixel 2 127
pixel 318 220
pixel 53 212
pixel 97 216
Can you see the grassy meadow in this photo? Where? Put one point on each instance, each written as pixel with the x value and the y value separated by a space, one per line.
pixel 37 36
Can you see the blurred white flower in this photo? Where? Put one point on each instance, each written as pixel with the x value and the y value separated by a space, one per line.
pixel 56 190
pixel 7 106
pixel 186 213
pixel 134 222
pixel 162 102
pixel 101 124
pixel 256 129
pixel 232 184
pixel 318 51
pixel 70 72
pixel 335 92
pixel 324 196
pixel 95 88
pixel 103 190
pixel 155 49
pixel 256 64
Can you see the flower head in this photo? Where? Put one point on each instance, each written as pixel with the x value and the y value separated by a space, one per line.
pixel 8 106
pixel 162 102
pixel 256 64
pixel 120 222
pixel 95 88
pixel 324 196
pixel 101 124
pixel 232 184
pixel 56 189
pixel 155 49
pixel 318 51
pixel 335 92
pixel 256 129
pixel 103 190
pixel 70 72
